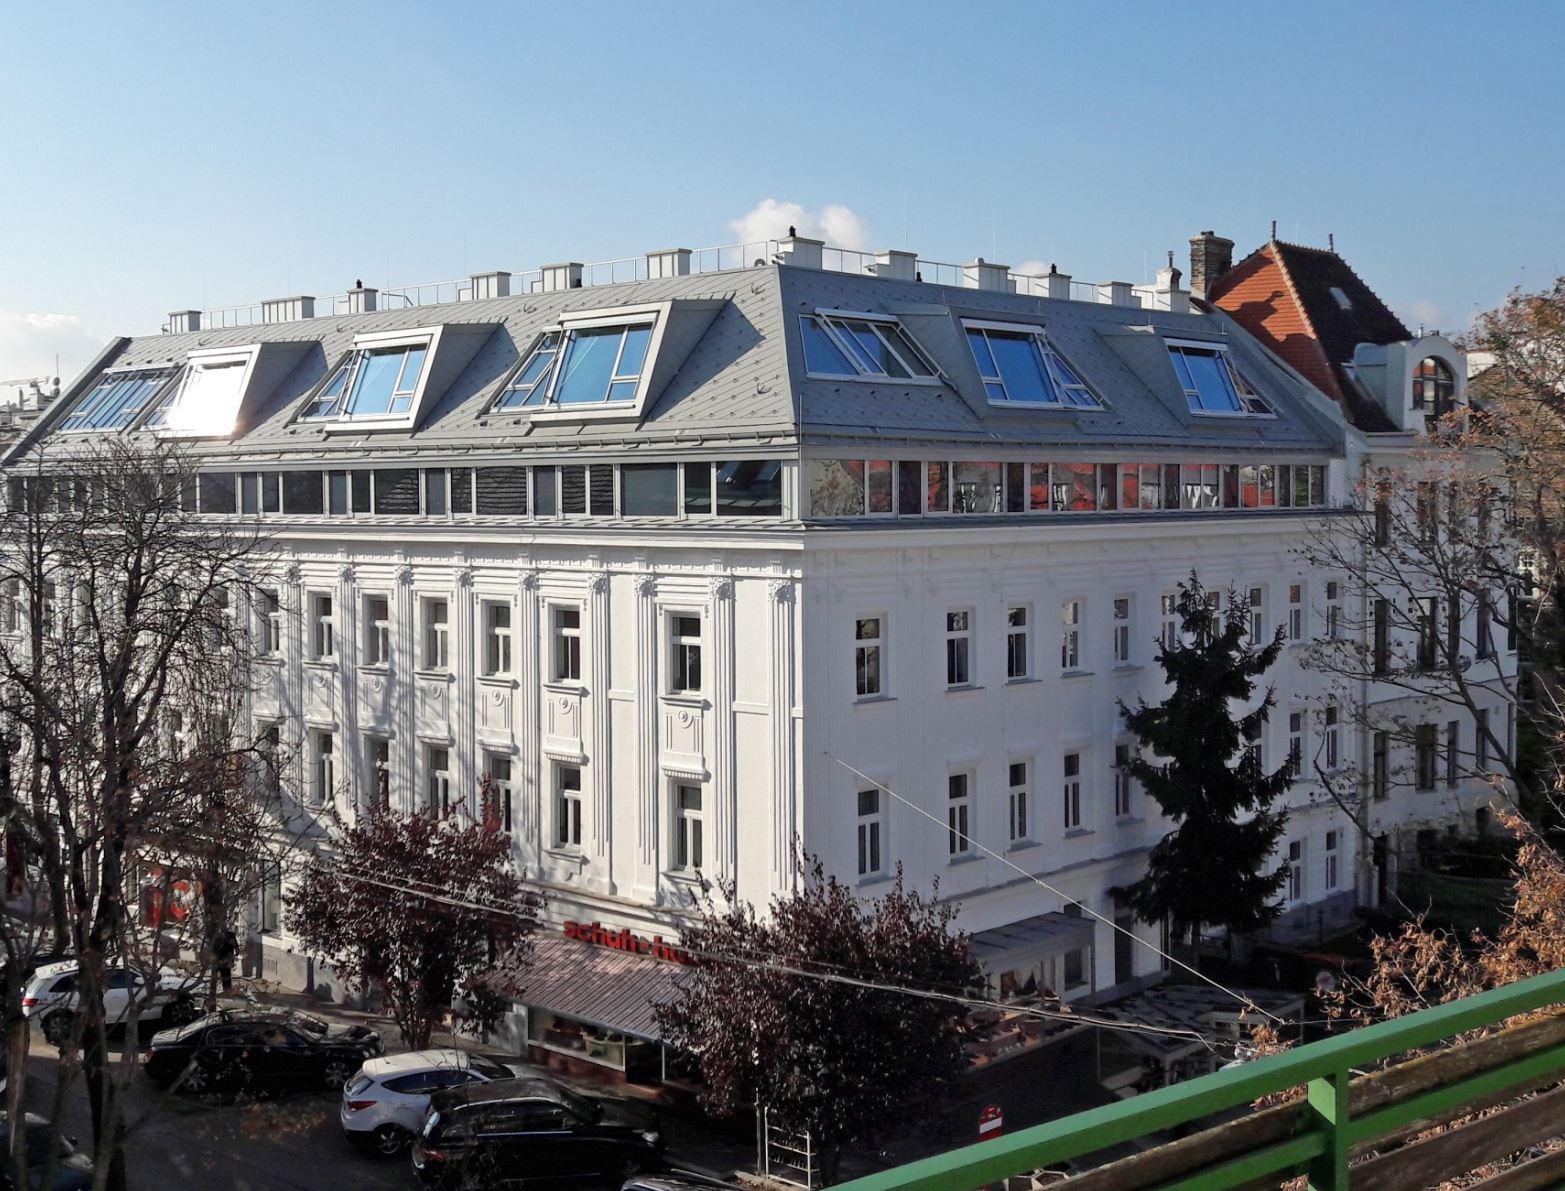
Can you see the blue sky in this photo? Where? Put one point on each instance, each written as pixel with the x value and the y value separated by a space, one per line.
pixel 165 156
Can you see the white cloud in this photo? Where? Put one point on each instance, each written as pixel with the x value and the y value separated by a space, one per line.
pixel 29 344
pixel 1427 312
pixel 839 226
pixel 1031 268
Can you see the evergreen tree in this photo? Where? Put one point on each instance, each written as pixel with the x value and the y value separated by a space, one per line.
pixel 1208 871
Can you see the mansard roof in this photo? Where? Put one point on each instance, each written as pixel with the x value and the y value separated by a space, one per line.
pixel 731 370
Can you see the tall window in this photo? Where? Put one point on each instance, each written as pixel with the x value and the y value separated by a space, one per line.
pixel 1381 765
pixel 1426 510
pixel 1333 751
pixel 497 767
pixel 271 611
pixel 1254 745
pixel 322 638
pixel 437 635
pixel 1256 601
pixel 1018 365
pixel 437 779
pixel 871 827
pixel 684 642
pixel 1381 659
pixel 1333 610
pixel 1295 870
pixel 323 771
pixel 1382 514
pixel 1296 612
pixel 1481 740
pixel 1332 838
pixel 1425 754
pixel 377 758
pixel 1018 655
pixel 1434 386
pixel 687 827
pixel 1296 742
pixel 271 899
pixel 567 644
pixel 1483 627
pixel 868 643
pixel 377 630
pixel 1072 792
pixel 1122 630
pixel 1453 742
pixel 1070 635
pixel 1122 780
pixel 958 810
pixel 1168 632
pixel 959 646
pixel 567 807
pixel 497 637
pixel 1017 802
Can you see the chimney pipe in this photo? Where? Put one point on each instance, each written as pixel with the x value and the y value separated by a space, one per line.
pixel 1211 256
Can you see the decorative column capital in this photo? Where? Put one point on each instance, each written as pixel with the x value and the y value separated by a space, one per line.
pixel 782 590
pixel 405 576
pixel 722 588
pixel 529 580
pixel 345 572
pixel 598 584
pixel 647 586
pixel 464 577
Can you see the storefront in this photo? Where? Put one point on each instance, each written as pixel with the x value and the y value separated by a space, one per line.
pixel 1047 954
pixel 590 999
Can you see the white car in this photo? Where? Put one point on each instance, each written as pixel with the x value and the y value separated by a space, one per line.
pixel 51 997
pixel 385 1104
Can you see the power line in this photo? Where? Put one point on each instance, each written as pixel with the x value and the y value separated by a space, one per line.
pixel 1037 880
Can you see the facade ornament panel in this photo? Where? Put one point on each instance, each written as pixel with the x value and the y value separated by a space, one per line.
pixel 782 590
pixel 647 586
pixel 722 588
pixel 529 580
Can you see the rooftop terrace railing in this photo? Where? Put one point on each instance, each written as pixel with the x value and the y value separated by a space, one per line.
pixel 1316 1137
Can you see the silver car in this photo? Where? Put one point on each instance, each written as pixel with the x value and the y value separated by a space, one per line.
pixel 384 1105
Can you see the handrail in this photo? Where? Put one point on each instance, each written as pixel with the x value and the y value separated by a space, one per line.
pixel 1324 1067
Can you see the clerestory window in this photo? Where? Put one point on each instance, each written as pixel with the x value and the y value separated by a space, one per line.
pixel 1019 367
pixel 837 343
pixel 117 399
pixel 1211 384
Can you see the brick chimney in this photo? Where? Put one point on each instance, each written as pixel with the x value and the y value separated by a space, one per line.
pixel 1211 256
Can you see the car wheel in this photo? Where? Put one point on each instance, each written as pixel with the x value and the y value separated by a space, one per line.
pixel 57 1027
pixel 337 1073
pixel 198 1080
pixel 391 1140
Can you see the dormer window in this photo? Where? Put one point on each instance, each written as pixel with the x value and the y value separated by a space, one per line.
pixel 205 401
pixel 1019 367
pixel 381 383
pixel 1211 384
pixel 860 346
pixel 1434 385
pixel 117 399
pixel 598 363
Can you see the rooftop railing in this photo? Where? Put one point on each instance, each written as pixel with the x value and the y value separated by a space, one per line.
pixel 1338 1119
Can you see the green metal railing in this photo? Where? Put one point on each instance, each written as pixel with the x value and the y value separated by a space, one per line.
pixel 1327 1131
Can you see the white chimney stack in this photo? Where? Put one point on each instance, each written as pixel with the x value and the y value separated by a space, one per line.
pixel 1058 284
pixel 181 321
pixel 287 310
pixel 491 285
pixel 668 262
pixel 566 275
pixel 799 251
pixel 896 265
pixel 361 299
pixel 982 275
pixel 1115 293
pixel 1166 294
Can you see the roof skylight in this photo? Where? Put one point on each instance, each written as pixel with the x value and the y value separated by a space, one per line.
pixel 1019 367
pixel 116 400
pixel 853 345
pixel 1211 384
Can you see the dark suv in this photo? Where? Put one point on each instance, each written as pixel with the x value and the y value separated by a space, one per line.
pixel 531 1131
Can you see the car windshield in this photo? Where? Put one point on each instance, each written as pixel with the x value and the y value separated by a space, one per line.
pixel 490 1070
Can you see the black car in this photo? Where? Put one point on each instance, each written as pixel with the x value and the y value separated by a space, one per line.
pixel 259 1052
pixel 72 1168
pixel 522 1132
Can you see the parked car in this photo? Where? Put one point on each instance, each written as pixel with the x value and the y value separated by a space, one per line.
pixel 268 1053
pixel 53 995
pixel 72 1168
pixel 521 1132
pixel 384 1105
pixel 677 1180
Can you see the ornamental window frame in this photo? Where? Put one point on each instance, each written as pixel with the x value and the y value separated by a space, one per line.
pixel 559 339
pixel 904 349
pixel 1248 402
pixel 1071 391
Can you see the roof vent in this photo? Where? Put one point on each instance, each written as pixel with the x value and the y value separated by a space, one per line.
pixel 287 310
pixel 896 265
pixel 668 262
pixel 361 299
pixel 566 275
pixel 1116 293
pixel 982 275
pixel 491 285
pixel 799 251
pixel 181 321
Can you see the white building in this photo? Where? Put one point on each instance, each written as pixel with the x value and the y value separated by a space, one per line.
pixel 665 558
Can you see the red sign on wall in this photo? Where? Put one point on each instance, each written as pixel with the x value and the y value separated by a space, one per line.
pixel 623 939
pixel 989 1123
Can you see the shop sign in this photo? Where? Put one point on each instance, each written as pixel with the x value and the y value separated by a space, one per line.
pixel 623 939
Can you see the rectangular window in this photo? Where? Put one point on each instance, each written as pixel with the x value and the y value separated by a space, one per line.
pixel 687 827
pixel 1070 635
pixel 1428 631
pixel 1381 649
pixel 1208 382
pixel 877 483
pixel 749 488
pixel 837 344
pixel 1168 614
pixel 868 668
pixel 1481 741
pixel 1074 968
pixel 496 618
pixel 1425 755
pixel 1122 631
pixel 1453 744
pixel 871 828
pixel 437 780
pixel 1255 745
pixel 1483 626
pixel 115 401
pixel 435 502
pixel 362 482
pixel 567 806
pixel 958 811
pixel 1332 838
pixel 217 492
pixel 1333 752
pixel 649 489
pixel 910 487
pixel 377 762
pixel 1381 765
pixel 1382 514
pixel 1333 611
pixel 936 496
pixel 959 644
pixel 1018 366
pixel 1296 723
pixel 684 638
pixel 271 908
pixel 1071 792
pixel 377 631
pixel 573 489
pixel 302 493
pixel 497 768
pixel 373 383
pixel 437 635
pixel 337 494
pixel 1296 612
pixel 323 773
pixel 1122 781
pixel 502 491
pixel 1018 655
pixel 566 624
pixel 271 612
pixel 977 487
pixel 1257 605
pixel 698 488
pixel 1017 802
pixel 1296 870
pixel 322 635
